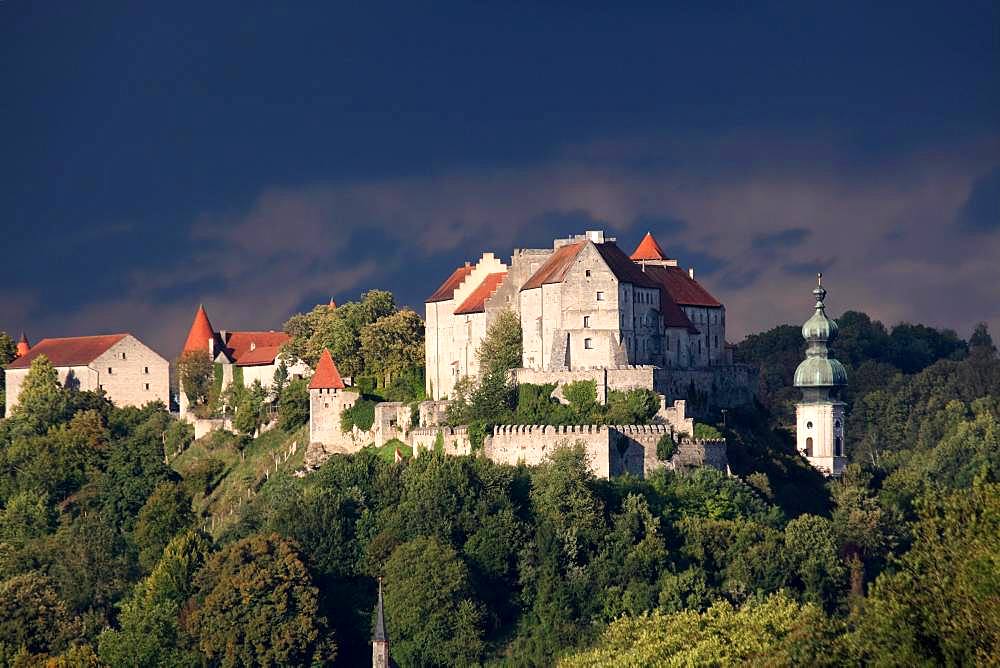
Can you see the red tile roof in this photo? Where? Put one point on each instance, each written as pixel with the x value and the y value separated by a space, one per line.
pixel 673 315
pixel 476 302
pixel 71 351
pixel 555 268
pixel 254 348
pixel 648 249
pixel 624 269
pixel 683 289
pixel 326 377
pixel 447 289
pixel 200 333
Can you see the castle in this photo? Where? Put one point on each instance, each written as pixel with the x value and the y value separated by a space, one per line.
pixel 588 312
pixel 244 356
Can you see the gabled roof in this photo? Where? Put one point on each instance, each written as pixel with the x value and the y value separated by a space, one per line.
pixel 200 333
pixel 624 269
pixel 476 301
pixel 648 249
pixel 447 289
pixel 326 377
pixel 253 348
pixel 683 289
pixel 555 268
pixel 71 351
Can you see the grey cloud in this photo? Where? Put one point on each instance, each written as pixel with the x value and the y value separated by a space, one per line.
pixel 981 210
pixel 788 238
pixel 809 267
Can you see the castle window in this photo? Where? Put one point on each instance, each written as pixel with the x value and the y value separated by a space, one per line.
pixel 109 371
pixel 600 296
pixel 836 424
pixel 839 447
pixel 715 340
pixel 586 321
pixel 587 273
pixel 123 355
pixel 147 387
pixel 588 344
pixel 809 425
pixel 145 369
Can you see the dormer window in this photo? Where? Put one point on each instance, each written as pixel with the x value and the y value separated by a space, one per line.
pixel 253 346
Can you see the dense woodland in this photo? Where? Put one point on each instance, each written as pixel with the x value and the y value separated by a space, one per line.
pixel 107 557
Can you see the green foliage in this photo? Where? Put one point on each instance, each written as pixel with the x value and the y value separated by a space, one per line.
pixel 706 432
pixel 636 406
pixel 261 578
pixel 340 331
pixel 429 606
pixel 501 347
pixel 42 401
pixel 939 603
pixel 582 398
pixel 666 448
pixel 196 373
pixel 178 437
pixel 777 631
pixel 202 477
pixel 250 411
pixel 360 415
pixel 32 616
pixel 27 515
pixel 393 344
pixel 166 512
pixel 293 406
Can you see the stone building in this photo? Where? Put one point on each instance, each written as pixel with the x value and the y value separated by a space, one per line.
pixel 244 355
pixel 328 399
pixel 129 372
pixel 583 305
pixel 819 417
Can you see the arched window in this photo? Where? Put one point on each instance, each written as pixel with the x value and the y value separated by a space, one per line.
pixel 809 425
pixel 809 447
pixel 838 446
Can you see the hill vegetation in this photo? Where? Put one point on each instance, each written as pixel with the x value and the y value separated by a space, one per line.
pixel 124 543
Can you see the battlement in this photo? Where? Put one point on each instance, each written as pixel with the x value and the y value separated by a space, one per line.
pixel 432 432
pixel 547 429
pixel 644 429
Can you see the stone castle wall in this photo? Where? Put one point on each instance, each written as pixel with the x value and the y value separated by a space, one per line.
pixel 722 386
pixel 614 378
pixel 454 440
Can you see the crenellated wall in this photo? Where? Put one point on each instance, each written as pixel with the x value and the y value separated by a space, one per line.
pixel 454 440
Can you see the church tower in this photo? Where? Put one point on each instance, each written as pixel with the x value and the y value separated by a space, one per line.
pixel 819 417
pixel 380 641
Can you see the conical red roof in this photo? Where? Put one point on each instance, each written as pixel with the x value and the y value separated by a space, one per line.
pixel 23 347
pixel 648 249
pixel 333 303
pixel 201 332
pixel 326 377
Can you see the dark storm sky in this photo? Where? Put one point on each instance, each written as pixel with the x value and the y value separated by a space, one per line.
pixel 261 158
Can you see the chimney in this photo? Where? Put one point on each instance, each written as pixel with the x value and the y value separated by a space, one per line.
pixel 691 272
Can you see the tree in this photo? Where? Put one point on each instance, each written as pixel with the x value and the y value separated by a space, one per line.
pixel 280 381
pixel 26 515
pixel 249 411
pixel 429 606
pixel 150 633
pixel 939 603
pixel 166 512
pixel 42 401
pixel 293 406
pixel 393 344
pixel 195 369
pixel 501 347
pixel 582 398
pixel 812 550
pixel 775 631
pixel 8 351
pixel 257 605
pixel 666 448
pixel 981 341
pixel 33 616
pixel 179 436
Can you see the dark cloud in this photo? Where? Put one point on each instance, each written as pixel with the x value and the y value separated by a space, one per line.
pixel 808 268
pixel 704 262
pixel 739 279
pixel 981 211
pixel 658 225
pixel 789 238
pixel 549 225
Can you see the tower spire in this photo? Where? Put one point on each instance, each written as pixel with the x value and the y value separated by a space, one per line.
pixel 820 414
pixel 380 641
pixel 23 347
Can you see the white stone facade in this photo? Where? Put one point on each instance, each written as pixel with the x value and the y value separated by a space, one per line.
pixel 130 373
pixel 819 434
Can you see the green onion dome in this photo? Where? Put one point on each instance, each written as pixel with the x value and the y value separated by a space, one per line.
pixel 819 369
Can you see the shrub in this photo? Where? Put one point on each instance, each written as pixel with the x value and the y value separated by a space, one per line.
pixel 204 476
pixel 178 437
pixel 360 415
pixel 706 432
pixel 666 448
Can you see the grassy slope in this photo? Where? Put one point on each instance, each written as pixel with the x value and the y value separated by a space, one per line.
pixel 241 473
